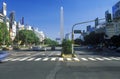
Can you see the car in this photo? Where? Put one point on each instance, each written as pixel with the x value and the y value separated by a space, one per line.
pixel 3 55
pixel 90 47
pixel 38 48
pixel 118 49
pixel 52 47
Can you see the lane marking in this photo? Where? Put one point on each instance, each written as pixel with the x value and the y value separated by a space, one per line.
pixel 43 54
pixel 92 59
pixel 69 59
pixel 45 59
pixel 115 58
pixel 76 59
pixel 16 59
pixel 106 58
pixel 53 59
pixel 38 59
pixel 100 59
pixel 61 59
pixel 84 59
pixel 30 59
pixel 23 59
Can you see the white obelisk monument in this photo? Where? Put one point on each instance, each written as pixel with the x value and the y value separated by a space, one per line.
pixel 61 23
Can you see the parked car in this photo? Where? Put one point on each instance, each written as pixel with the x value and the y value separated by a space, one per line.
pixel 118 49
pixel 112 47
pixel 3 55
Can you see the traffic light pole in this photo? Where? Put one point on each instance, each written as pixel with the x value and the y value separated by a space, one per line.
pixel 73 31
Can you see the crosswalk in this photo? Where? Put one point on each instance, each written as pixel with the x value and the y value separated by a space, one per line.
pixel 44 59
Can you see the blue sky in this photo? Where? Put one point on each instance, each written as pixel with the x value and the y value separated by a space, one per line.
pixel 45 14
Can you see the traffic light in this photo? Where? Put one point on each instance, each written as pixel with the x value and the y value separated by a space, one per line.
pixel 96 22
pixel 108 18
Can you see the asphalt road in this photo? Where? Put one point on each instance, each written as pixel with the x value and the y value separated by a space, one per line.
pixel 49 65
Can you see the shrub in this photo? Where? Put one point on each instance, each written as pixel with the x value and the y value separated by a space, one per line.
pixel 67 47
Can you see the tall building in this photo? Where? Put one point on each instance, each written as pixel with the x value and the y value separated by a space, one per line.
pixel 61 23
pixel 3 12
pixel 13 24
pixel 116 11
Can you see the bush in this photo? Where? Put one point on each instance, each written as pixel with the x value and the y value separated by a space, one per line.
pixel 67 47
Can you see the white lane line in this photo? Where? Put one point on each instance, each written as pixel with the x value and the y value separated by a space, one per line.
pixel 23 59
pixel 38 59
pixel 84 59
pixel 45 59
pixel 92 59
pixel 100 59
pixel 30 59
pixel 53 59
pixel 76 59
pixel 61 59
pixel 106 58
pixel 68 59
pixel 115 58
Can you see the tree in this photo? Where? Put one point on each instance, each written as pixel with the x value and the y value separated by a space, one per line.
pixel 26 37
pixel 78 41
pixel 4 34
pixel 115 40
pixel 94 38
pixel 66 47
pixel 49 41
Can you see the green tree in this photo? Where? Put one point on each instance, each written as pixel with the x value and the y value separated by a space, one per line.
pixel 4 34
pixel 27 37
pixel 50 42
pixel 94 38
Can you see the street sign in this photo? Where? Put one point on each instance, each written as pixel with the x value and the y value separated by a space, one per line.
pixel 77 31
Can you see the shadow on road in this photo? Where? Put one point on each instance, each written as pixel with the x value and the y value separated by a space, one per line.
pixel 104 52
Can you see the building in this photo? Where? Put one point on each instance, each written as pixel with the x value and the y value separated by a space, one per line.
pixel 39 34
pixel 116 11
pixel 68 36
pixel 3 12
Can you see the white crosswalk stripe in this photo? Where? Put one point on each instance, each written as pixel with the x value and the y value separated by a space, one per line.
pixel 100 59
pixel 106 58
pixel 68 59
pixel 115 58
pixel 30 59
pixel 76 59
pixel 23 59
pixel 38 59
pixel 84 59
pixel 53 59
pixel 16 59
pixel 61 59
pixel 45 59
pixel 92 59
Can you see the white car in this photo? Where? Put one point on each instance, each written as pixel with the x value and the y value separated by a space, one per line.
pixel 37 48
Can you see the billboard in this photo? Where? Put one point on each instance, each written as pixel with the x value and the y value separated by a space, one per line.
pixel 116 10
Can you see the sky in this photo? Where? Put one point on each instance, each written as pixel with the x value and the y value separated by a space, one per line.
pixel 45 14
